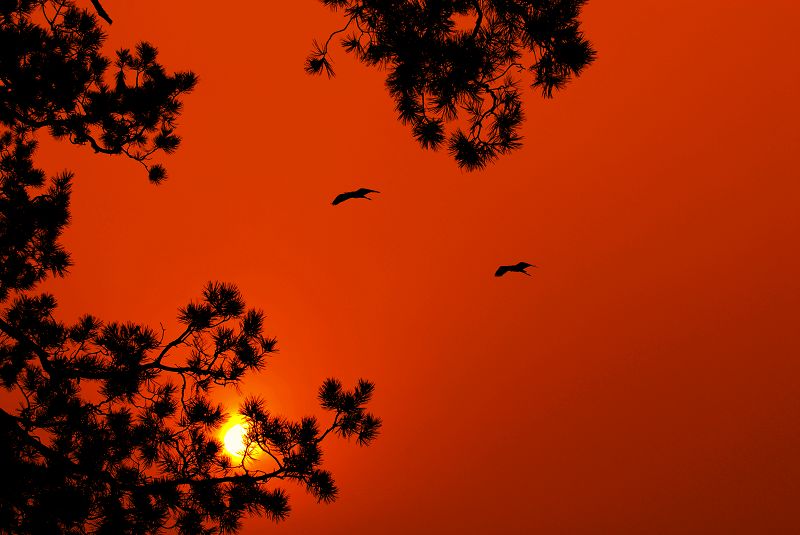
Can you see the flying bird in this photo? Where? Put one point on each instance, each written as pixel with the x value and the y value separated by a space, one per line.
pixel 100 11
pixel 519 268
pixel 360 193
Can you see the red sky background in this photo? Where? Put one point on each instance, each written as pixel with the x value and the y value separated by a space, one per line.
pixel 644 381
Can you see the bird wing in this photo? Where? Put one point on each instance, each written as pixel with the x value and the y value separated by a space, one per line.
pixel 364 191
pixel 341 198
pixel 502 270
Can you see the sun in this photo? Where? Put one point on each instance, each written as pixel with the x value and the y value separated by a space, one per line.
pixel 234 440
pixel 235 444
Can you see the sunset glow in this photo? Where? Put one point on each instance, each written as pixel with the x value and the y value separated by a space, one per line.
pixel 641 378
pixel 234 440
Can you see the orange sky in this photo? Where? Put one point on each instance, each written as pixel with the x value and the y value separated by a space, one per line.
pixel 644 381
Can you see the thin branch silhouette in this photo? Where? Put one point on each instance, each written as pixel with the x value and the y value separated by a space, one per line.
pixel 440 72
pixel 113 427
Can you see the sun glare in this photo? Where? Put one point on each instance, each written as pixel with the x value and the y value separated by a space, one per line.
pixel 234 440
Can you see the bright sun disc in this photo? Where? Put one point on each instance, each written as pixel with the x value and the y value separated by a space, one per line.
pixel 234 440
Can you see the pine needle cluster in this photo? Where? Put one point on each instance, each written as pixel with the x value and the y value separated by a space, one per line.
pixel 114 426
pixel 463 59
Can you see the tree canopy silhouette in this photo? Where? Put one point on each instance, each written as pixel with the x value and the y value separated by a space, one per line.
pixel 451 59
pixel 55 76
pixel 112 427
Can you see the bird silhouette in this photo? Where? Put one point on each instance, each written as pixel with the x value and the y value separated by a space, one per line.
pixel 360 193
pixel 519 268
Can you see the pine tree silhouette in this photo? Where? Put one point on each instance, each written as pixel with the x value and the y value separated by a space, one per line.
pixel 114 428
pixel 451 59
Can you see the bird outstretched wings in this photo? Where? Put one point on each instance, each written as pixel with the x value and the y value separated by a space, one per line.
pixel 360 193
pixel 519 267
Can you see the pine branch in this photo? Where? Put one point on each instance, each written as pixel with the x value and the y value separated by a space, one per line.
pixel 101 11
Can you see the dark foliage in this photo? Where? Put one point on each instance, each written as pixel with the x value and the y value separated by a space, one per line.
pixel 113 428
pixel 30 224
pixel 117 432
pixel 55 76
pixel 447 59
